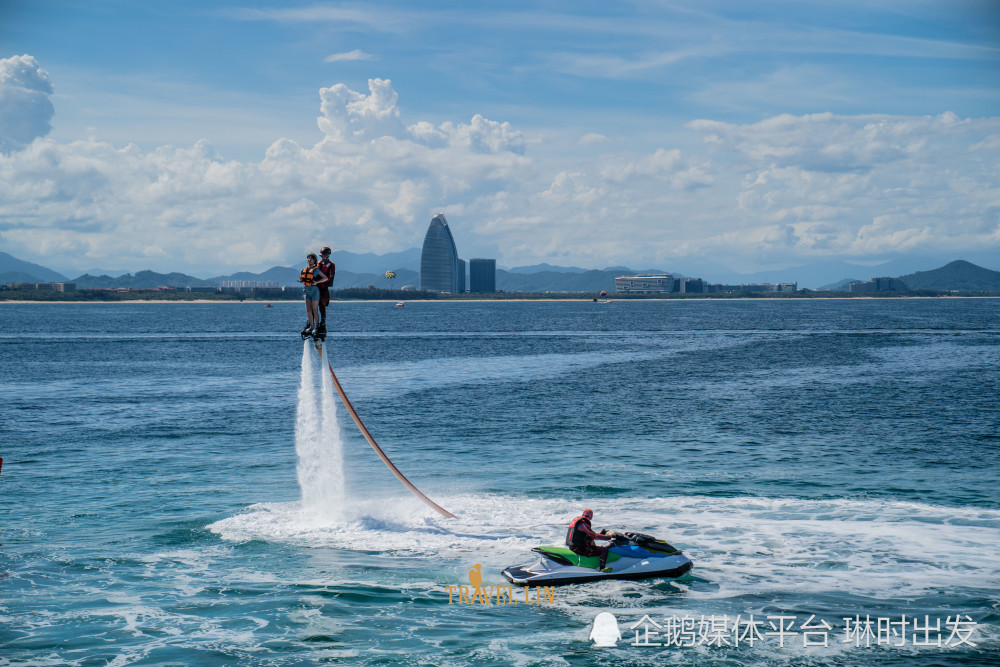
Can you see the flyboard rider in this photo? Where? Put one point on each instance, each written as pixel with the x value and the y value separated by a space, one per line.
pixel 329 269
pixel 580 538
pixel 311 277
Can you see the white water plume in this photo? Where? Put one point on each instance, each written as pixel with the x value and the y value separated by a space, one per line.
pixel 317 442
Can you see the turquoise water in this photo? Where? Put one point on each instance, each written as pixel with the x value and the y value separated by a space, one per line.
pixel 827 458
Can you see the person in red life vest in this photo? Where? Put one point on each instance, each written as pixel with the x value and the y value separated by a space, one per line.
pixel 311 277
pixel 329 269
pixel 580 538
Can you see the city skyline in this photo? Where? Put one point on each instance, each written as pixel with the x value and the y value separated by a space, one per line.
pixel 810 276
pixel 367 270
pixel 690 136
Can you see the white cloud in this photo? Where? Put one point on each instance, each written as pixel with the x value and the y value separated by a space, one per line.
pixel 829 143
pixel 367 184
pixel 592 138
pixel 614 66
pixel 356 54
pixel 784 189
pixel 25 107
pixel 862 185
pixel 482 135
pixel 356 16
pixel 794 88
pixel 349 114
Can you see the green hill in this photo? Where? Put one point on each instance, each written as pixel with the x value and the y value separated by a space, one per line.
pixel 17 270
pixel 141 280
pixel 289 277
pixel 283 275
pixel 958 275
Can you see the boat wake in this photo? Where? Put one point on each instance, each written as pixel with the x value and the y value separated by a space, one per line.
pixel 739 546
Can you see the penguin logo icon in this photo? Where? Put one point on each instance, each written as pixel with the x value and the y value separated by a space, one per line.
pixel 605 632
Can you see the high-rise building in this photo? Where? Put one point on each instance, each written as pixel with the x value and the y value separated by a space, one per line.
pixel 461 276
pixel 482 275
pixel 439 268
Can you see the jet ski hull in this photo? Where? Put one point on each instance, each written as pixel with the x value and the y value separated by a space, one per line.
pixel 633 556
pixel 530 575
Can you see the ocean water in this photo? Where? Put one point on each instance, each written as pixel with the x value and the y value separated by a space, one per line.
pixel 180 486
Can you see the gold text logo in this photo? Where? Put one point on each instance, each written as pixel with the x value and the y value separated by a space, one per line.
pixel 499 595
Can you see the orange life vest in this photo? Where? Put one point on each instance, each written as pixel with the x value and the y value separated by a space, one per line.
pixel 306 276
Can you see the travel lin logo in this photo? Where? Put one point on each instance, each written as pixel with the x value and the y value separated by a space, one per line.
pixel 500 595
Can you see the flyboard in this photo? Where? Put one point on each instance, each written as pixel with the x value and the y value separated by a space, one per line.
pixel 371 441
pixel 318 334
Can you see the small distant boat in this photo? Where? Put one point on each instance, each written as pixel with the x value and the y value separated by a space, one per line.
pixel 268 306
pixel 400 304
pixel 606 301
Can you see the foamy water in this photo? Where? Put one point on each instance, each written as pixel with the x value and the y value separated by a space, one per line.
pixel 741 545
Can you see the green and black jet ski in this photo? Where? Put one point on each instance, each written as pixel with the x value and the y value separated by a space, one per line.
pixel 630 556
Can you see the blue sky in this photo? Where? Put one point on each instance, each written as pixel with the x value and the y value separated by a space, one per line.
pixel 670 134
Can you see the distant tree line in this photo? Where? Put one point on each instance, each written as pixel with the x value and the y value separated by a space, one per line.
pixel 379 294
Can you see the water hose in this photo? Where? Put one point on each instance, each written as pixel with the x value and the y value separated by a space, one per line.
pixel 378 450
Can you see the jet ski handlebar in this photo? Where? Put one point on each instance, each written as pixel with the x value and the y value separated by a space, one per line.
pixel 639 539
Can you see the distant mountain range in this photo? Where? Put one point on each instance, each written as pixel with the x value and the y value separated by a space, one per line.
pixel 378 264
pixel 283 275
pixel 840 285
pixel 364 269
pixel 538 268
pixel 563 281
pixel 141 279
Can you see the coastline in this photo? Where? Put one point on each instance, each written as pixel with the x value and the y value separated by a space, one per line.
pixel 582 300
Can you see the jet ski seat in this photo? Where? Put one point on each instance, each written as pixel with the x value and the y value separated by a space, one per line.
pixel 566 556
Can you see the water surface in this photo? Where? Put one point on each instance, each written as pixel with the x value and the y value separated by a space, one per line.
pixel 826 458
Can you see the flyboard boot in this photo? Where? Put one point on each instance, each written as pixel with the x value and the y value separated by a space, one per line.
pixel 319 335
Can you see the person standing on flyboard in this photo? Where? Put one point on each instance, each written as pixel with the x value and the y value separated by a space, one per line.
pixel 329 269
pixel 311 277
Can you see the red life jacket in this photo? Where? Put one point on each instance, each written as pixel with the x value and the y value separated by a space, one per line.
pixel 329 269
pixel 576 538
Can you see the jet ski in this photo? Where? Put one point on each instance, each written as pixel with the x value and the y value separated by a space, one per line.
pixel 630 556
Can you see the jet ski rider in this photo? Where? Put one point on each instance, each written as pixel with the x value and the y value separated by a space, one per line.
pixel 580 538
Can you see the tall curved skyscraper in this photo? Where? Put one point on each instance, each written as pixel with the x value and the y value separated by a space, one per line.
pixel 439 264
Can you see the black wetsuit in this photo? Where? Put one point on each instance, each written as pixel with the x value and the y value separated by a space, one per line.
pixel 328 268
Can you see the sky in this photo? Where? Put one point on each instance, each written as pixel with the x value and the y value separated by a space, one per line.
pixel 210 137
